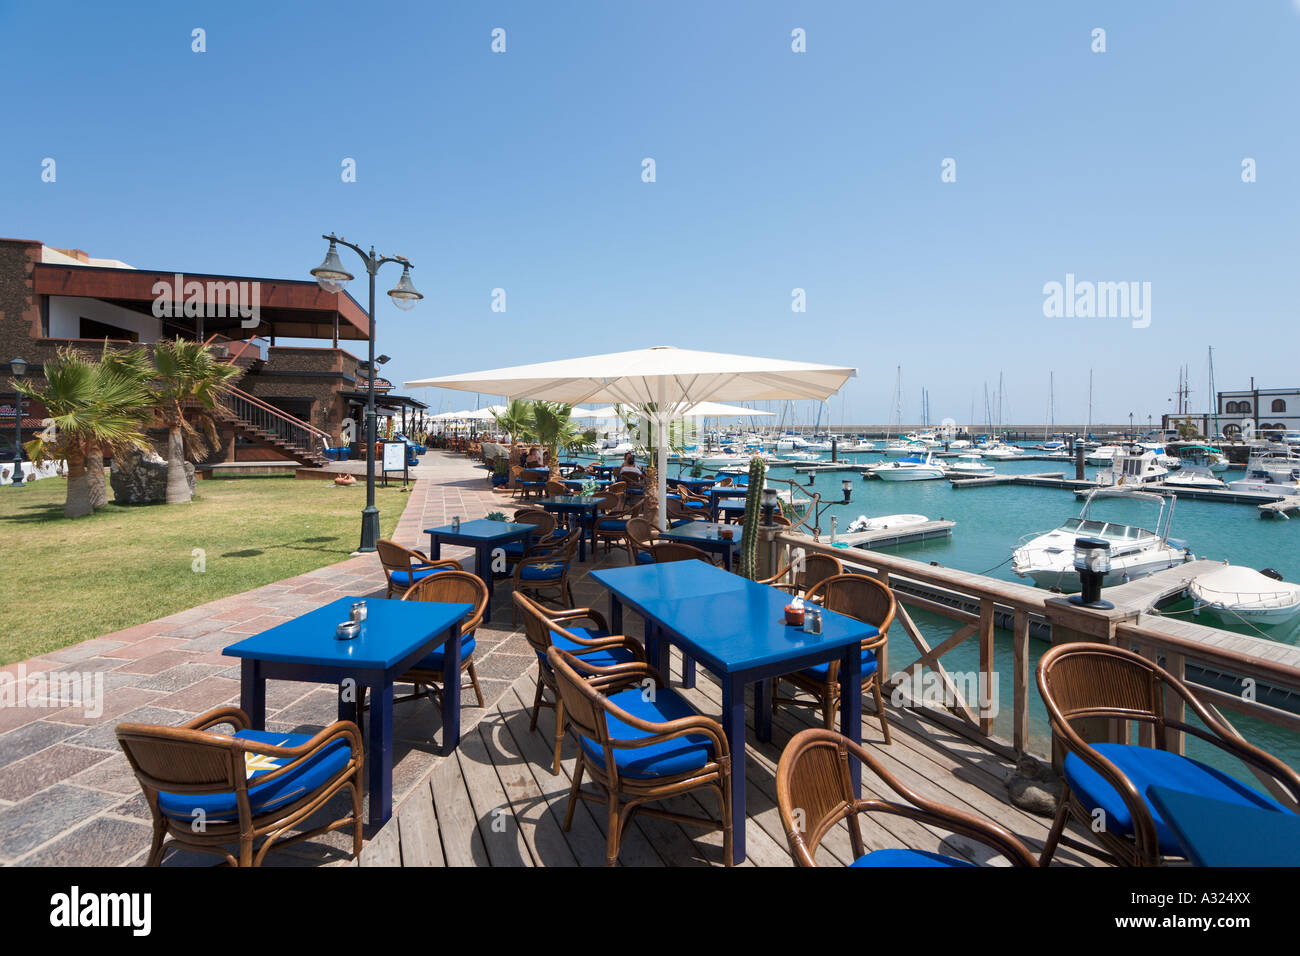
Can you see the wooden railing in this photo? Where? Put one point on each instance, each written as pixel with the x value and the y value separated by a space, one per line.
pixel 976 604
pixel 286 428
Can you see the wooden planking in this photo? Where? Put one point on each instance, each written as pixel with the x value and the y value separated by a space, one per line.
pixel 502 772
pixel 417 825
pixel 384 849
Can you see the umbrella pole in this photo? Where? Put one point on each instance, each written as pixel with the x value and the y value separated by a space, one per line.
pixel 661 473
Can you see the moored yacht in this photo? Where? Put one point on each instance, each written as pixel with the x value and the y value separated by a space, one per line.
pixel 1135 551
pixel 1132 466
pixel 968 466
pixel 911 468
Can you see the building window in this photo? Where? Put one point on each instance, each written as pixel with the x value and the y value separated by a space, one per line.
pixel 90 329
pixel 1230 408
pixel 1279 405
pixel 1243 406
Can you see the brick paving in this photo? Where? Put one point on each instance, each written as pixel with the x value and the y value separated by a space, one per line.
pixel 67 795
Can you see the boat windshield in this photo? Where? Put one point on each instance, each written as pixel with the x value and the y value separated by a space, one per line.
pixel 1106 529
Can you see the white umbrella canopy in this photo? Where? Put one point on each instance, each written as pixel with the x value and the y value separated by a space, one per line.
pixel 586 414
pixel 717 410
pixel 485 414
pixel 661 381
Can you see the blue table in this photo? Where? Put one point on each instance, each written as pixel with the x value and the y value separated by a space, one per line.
pixel 695 484
pixel 577 483
pixel 394 637
pixel 736 628
pixel 579 505
pixel 704 535
pixel 718 492
pixel 484 537
pixel 1215 833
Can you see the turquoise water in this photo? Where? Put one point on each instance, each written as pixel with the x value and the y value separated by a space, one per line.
pixel 991 521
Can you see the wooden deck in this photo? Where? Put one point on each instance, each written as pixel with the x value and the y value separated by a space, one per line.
pixel 495 803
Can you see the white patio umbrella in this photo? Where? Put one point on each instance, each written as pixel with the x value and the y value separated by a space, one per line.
pixel 485 414
pixel 587 414
pixel 716 410
pixel 660 381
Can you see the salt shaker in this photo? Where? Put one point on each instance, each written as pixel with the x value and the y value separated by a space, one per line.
pixel 455 524
pixel 812 619
pixel 358 611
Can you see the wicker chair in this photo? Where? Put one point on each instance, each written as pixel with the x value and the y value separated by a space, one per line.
pixel 639 539
pixel 454 587
pixel 532 481
pixel 816 568
pixel 677 510
pixel 1079 681
pixel 666 551
pixel 244 786
pixel 557 488
pixel 612 521
pixel 568 631
pixel 548 530
pixel 544 571
pixel 814 792
pixel 866 600
pixel 404 567
pixel 639 750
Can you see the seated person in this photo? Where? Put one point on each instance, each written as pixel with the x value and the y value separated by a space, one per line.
pixel 534 459
pixel 630 471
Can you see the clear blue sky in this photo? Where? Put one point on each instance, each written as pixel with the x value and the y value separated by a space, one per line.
pixel 775 170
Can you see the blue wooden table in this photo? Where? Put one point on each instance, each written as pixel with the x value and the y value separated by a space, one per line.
pixel 695 484
pixel 1215 833
pixel 395 635
pixel 576 505
pixel 705 536
pixel 484 537
pixel 718 492
pixel 736 628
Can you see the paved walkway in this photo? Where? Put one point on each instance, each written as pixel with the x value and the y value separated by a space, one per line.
pixel 67 795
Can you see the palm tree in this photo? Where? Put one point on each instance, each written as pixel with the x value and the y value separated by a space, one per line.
pixel 554 429
pixel 131 363
pixel 189 378
pixel 91 406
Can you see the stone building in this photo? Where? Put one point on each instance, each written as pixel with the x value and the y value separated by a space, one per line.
pixel 290 403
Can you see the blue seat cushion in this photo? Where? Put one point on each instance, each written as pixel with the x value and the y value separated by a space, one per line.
pixel 600 658
pixel 542 571
pixel 1148 767
pixel 645 557
pixel 821 671
pixel 434 659
pixel 308 776
pixel 680 522
pixel 908 858
pixel 662 759
pixel 611 524
pixel 416 574
pixel 513 549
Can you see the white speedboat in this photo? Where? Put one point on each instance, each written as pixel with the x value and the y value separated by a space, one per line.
pixel 899 448
pixel 1245 593
pixel 1205 456
pixel 999 451
pixel 863 523
pixel 1270 469
pixel 1194 476
pixel 1132 466
pixel 1134 551
pixel 859 445
pixel 911 468
pixel 800 456
pixel 968 466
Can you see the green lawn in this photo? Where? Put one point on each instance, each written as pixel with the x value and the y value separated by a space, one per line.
pixel 73 579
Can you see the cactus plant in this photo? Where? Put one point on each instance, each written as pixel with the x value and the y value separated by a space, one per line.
pixel 753 502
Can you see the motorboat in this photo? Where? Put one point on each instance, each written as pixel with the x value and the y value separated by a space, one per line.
pixel 1258 596
pixel 1204 456
pixel 1000 451
pixel 1194 476
pixel 1135 551
pixel 968 466
pixel 1102 454
pixel 1271 468
pixel 900 447
pixel 884 522
pixel 911 468
pixel 858 445
pixel 1130 466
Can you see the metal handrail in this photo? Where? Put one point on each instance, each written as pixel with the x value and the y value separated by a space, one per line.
pixel 287 428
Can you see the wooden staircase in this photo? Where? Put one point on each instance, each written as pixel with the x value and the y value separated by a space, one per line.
pixel 272 428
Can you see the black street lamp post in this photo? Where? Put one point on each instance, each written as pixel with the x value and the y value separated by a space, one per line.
pixel 18 367
pixel 332 277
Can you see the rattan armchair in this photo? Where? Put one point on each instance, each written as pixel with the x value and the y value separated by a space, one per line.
pixel 453 587
pixel 208 791
pixel 813 570
pixel 544 571
pixel 582 632
pixel 404 566
pixel 639 539
pixel 814 792
pixel 1108 781
pixel 639 748
pixel 869 601
pixel 666 551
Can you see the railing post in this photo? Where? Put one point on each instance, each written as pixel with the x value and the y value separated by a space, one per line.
pixel 1020 679
pixel 986 661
